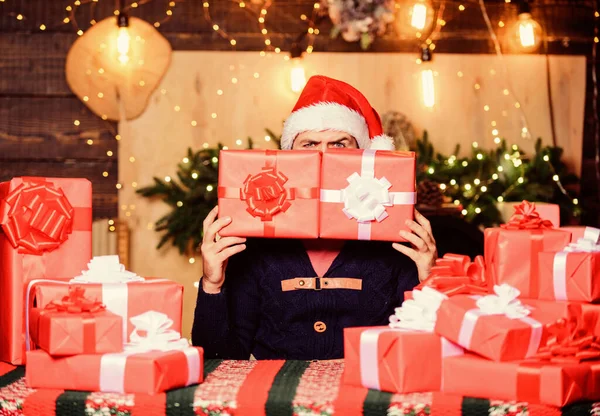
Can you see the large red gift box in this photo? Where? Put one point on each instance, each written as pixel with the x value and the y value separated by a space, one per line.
pixel 76 325
pixel 395 360
pixel 123 299
pixel 498 337
pixel 46 233
pixel 366 194
pixel 149 372
pixel 572 276
pixel 270 193
pixel 554 384
pixel 511 255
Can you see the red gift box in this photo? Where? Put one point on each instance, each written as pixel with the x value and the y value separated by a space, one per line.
pixel 270 193
pixel 46 234
pixel 511 252
pixel 587 233
pixel 366 194
pixel 551 384
pixel 149 372
pixel 569 276
pixel 498 337
pixel 76 325
pixel 395 360
pixel 123 299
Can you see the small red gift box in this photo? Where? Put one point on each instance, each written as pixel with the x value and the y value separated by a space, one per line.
pixel 554 384
pixel 395 360
pixel 149 372
pixel 76 325
pixel 587 233
pixel 45 233
pixel 497 336
pixel 366 194
pixel 123 299
pixel 270 193
pixel 511 252
pixel 569 276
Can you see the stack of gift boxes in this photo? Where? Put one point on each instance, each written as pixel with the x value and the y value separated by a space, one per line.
pixel 80 323
pixel 520 325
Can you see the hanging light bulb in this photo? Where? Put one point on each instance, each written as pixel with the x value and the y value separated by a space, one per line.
pixel 527 33
pixel 427 84
pixel 414 19
pixel 123 38
pixel 297 74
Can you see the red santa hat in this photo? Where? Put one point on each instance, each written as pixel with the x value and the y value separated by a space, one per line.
pixel 329 104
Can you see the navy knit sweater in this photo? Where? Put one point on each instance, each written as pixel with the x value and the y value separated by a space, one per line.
pixel 252 315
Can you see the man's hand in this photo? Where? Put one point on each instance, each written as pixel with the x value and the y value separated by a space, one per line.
pixel 216 252
pixel 423 251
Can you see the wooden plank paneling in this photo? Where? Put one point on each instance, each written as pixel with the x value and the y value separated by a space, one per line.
pixel 104 191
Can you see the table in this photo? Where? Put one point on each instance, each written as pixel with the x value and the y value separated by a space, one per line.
pixel 248 388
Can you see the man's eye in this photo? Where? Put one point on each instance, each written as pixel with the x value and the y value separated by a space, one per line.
pixel 311 144
pixel 339 145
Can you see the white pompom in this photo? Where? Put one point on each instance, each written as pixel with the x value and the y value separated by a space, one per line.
pixel 382 142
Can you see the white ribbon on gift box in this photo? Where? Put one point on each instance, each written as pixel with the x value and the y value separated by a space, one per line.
pixel 504 302
pixel 158 338
pixel 366 197
pixel 415 315
pixel 592 234
pixel 559 265
pixel 115 293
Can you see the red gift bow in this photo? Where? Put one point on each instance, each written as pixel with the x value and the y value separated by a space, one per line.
pixel 75 302
pixel 265 195
pixel 526 218
pixel 39 217
pixel 455 274
pixel 571 341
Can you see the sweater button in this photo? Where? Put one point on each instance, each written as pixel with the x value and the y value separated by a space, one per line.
pixel 320 326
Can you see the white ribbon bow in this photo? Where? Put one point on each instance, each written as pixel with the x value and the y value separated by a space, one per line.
pixel 106 269
pixel 583 245
pixel 158 336
pixel 365 198
pixel 504 302
pixel 419 313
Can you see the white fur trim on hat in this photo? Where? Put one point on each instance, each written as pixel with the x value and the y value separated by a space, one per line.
pixel 382 142
pixel 325 116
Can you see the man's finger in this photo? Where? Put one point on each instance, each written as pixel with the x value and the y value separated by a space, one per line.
pixel 225 242
pixel 422 232
pixel 210 218
pixel 423 221
pixel 407 251
pixel 211 232
pixel 415 240
pixel 230 251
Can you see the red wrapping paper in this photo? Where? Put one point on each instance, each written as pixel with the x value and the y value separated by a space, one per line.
pixel 64 333
pixel 497 337
pixel 511 256
pixel 582 274
pixel 153 294
pixel 407 361
pixel 579 231
pixel 338 165
pixel 535 383
pixel 148 373
pixel 18 265
pixel 270 193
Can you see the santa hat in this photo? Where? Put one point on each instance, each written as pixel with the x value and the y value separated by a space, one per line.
pixel 329 104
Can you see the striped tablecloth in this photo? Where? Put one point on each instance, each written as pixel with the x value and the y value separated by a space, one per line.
pixel 249 388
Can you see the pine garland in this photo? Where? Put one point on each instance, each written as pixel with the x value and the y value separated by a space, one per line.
pixel 476 182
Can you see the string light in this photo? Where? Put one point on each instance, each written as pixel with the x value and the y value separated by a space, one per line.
pixel 500 198
pixel 452 182
pixel 209 188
